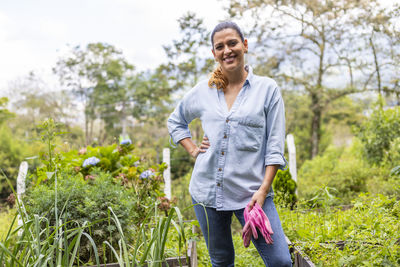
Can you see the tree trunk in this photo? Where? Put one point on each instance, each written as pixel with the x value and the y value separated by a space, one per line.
pixel 86 129
pixel 315 124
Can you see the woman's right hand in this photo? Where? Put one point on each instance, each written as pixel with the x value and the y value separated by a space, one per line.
pixel 204 145
pixel 192 148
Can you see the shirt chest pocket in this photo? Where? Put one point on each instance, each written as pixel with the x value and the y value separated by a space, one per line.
pixel 248 135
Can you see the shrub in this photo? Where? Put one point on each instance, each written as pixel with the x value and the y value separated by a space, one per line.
pixel 378 132
pixel 284 189
pixel 340 168
pixel 85 183
pixel 88 201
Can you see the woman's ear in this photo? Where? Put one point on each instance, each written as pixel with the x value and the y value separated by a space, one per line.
pixel 212 50
pixel 246 46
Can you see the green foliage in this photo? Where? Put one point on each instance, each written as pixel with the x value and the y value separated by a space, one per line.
pixel 180 191
pixel 340 116
pixel 344 170
pixel 34 242
pixel 84 184
pixel 12 152
pixel 379 132
pixel 189 57
pixel 48 131
pixel 5 114
pixel 84 202
pixel 284 189
pixel 99 75
pixel 369 231
pixel 6 218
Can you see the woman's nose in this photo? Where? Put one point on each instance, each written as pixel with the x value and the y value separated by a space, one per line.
pixel 227 50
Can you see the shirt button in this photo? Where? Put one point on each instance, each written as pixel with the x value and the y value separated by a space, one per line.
pixel 219 169
pixel 218 184
pixel 225 136
pixel 223 153
pixel 227 120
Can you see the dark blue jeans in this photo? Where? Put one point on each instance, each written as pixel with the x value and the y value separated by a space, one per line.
pixel 218 236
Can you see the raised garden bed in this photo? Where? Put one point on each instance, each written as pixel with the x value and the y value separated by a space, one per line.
pixel 189 261
pixel 300 258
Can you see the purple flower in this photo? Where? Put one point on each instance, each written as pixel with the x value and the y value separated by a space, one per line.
pixel 92 161
pixel 125 142
pixel 136 163
pixel 146 174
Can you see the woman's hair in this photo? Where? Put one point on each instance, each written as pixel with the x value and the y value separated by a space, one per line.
pixel 217 78
pixel 226 25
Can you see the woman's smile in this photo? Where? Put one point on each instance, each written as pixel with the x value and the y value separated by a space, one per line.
pixel 229 59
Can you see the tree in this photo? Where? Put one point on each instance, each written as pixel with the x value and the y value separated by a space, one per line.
pixel 190 56
pixel 98 75
pixel 316 47
pixel 190 59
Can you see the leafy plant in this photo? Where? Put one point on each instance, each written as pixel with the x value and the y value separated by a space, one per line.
pixel 365 235
pixel 284 189
pixel 36 242
pixel 149 247
pixel 378 132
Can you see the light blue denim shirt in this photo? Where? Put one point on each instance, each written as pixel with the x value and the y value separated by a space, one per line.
pixel 243 140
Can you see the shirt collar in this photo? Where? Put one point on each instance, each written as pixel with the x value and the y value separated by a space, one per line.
pixel 250 76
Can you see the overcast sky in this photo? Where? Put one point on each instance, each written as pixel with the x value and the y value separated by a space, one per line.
pixel 33 34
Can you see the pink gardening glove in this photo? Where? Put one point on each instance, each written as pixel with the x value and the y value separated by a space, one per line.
pixel 256 219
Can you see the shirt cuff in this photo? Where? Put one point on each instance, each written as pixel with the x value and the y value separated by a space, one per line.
pixel 179 136
pixel 276 159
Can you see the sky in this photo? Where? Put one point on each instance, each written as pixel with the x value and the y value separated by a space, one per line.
pixel 34 34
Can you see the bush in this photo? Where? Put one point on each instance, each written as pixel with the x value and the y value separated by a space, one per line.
pixel 88 182
pixel 379 132
pixel 284 189
pixel 88 201
pixel 342 169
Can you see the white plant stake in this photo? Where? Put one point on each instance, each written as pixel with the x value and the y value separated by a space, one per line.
pixel 292 157
pixel 23 170
pixel 167 173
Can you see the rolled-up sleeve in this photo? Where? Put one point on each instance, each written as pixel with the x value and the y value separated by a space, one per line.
pixel 275 143
pixel 178 121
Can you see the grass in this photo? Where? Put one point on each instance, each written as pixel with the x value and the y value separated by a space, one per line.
pixel 370 231
pixel 6 218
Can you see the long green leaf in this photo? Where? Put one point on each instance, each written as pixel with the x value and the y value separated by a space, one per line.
pixel 77 244
pixel 4 249
pixel 120 261
pixel 96 254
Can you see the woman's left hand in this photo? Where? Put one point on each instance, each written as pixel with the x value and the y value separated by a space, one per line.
pixel 258 197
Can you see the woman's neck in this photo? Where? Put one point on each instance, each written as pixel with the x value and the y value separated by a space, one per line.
pixel 236 77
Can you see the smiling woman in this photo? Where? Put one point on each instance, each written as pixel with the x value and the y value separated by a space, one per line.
pixel 243 120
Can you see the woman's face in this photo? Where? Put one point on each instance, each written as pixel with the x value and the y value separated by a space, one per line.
pixel 229 50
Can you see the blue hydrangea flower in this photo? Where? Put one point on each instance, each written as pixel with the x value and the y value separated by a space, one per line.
pixel 125 142
pixel 92 161
pixel 146 174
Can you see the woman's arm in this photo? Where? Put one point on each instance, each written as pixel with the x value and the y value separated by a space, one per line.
pixel 192 148
pixel 260 195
